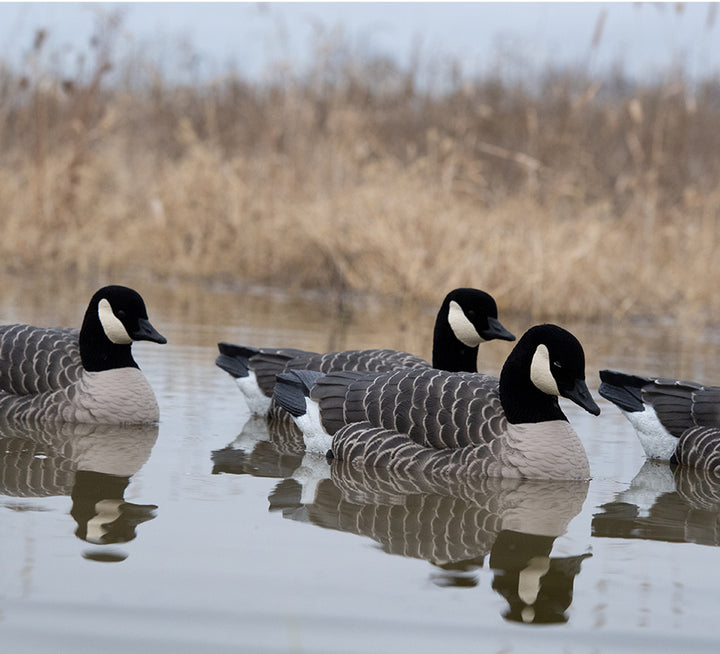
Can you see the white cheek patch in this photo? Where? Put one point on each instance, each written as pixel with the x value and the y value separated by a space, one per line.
pixel 111 324
pixel 529 579
pixel 540 374
pixel 463 329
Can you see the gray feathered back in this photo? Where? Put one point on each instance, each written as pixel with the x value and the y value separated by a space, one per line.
pixel 269 362
pixel 38 360
pixel 434 408
pixel 378 447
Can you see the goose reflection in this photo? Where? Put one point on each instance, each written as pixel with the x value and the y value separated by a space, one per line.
pixel 676 504
pixel 271 448
pixel 453 524
pixel 92 464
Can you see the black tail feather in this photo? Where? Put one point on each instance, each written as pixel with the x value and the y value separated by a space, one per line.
pixel 233 359
pixel 623 390
pixel 293 387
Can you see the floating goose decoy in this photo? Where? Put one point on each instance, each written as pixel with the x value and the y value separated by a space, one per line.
pixel 466 318
pixel 88 376
pixel 675 421
pixel 453 423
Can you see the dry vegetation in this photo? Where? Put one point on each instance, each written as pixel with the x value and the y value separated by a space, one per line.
pixel 577 198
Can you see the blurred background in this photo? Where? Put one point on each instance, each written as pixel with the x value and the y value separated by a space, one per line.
pixel 563 156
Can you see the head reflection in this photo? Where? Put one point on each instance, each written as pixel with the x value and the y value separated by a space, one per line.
pixel 538 588
pixel 102 515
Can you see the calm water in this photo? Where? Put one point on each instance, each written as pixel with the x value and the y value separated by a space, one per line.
pixel 213 533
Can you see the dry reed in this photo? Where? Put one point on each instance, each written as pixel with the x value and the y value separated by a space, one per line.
pixel 580 198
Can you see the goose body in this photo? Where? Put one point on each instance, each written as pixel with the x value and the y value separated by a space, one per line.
pixel 454 423
pixel 84 376
pixel 675 421
pixel 466 318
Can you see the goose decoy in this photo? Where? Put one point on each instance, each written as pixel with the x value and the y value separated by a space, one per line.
pixel 452 423
pixel 87 376
pixel 466 318
pixel 675 421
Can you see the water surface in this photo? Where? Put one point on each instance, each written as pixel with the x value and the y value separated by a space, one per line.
pixel 214 532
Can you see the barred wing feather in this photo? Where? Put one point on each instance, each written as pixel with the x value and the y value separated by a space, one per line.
pixel 683 405
pixel 267 363
pixel 37 360
pixel 433 408
pixel 699 447
pixel 377 447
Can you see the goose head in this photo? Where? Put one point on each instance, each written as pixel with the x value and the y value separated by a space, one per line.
pixel 548 362
pixel 466 318
pixel 115 317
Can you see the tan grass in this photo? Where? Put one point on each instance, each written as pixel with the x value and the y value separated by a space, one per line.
pixel 583 199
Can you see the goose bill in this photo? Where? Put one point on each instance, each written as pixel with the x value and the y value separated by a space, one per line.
pixel 581 396
pixel 146 332
pixel 496 330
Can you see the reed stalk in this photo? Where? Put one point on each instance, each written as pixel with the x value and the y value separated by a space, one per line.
pixel 578 198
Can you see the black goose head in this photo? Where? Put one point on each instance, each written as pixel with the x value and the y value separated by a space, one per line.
pixel 466 318
pixel 547 362
pixel 115 317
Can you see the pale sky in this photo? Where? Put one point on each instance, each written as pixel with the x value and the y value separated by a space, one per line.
pixel 644 37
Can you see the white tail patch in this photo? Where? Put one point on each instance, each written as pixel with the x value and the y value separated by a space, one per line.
pixel 540 373
pixel 113 328
pixel 463 329
pixel 257 401
pixel 314 434
pixel 658 443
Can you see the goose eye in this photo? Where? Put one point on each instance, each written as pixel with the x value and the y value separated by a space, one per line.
pixel 121 314
pixel 557 364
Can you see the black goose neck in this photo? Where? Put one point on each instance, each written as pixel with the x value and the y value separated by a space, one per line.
pixel 97 351
pixel 448 352
pixel 521 400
